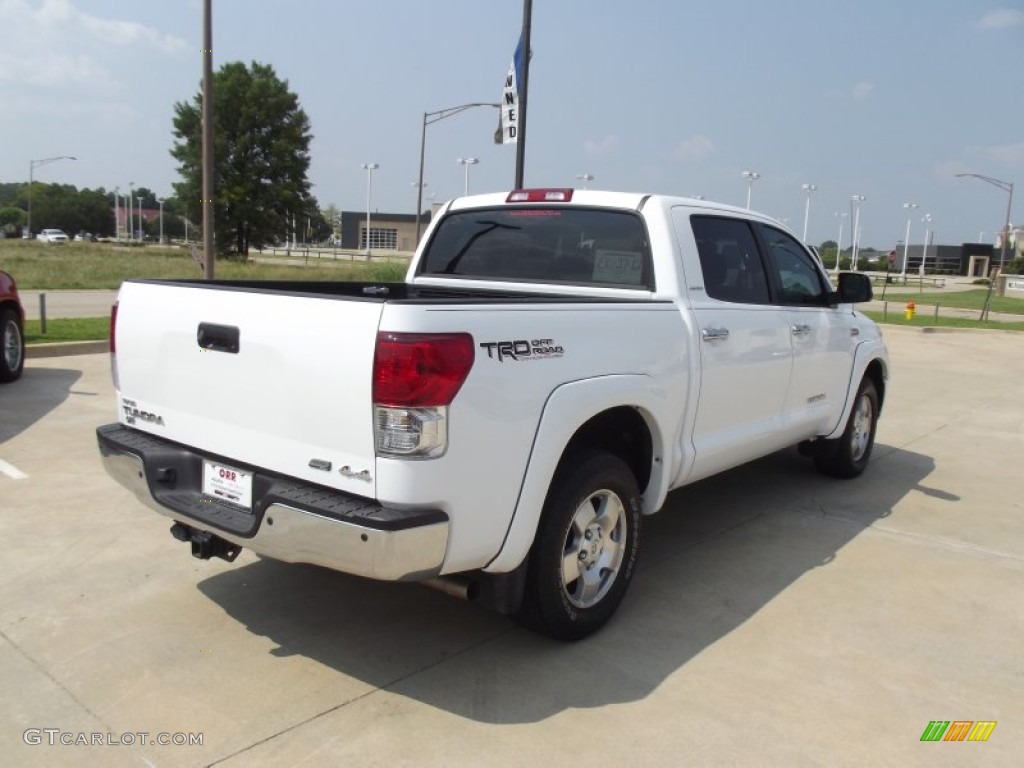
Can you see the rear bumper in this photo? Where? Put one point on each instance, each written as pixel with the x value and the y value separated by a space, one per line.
pixel 290 520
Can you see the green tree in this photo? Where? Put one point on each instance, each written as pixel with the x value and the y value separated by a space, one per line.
pixel 261 157
pixel 12 220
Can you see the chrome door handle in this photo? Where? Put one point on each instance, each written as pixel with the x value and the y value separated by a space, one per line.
pixel 800 330
pixel 855 331
pixel 714 334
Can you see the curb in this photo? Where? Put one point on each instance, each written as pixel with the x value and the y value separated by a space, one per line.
pixel 66 348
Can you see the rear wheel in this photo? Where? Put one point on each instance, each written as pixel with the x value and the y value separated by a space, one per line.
pixel 12 346
pixel 586 547
pixel 850 453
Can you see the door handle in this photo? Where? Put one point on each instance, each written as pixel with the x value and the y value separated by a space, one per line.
pixel 714 334
pixel 218 338
pixel 800 329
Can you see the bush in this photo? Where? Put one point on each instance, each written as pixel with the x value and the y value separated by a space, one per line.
pixel 981 281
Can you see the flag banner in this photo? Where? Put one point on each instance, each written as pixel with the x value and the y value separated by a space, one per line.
pixel 510 98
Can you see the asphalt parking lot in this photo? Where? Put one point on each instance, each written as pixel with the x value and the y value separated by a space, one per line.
pixel 777 618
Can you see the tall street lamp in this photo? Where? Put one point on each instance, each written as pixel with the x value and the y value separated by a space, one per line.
pixel 927 220
pixel 369 168
pixel 117 214
pixel 808 188
pixel 585 177
pixel 839 241
pixel 910 208
pixel 429 118
pixel 128 210
pixel 466 162
pixel 856 200
pixel 32 165
pixel 161 201
pixel 1006 186
pixel 142 229
pixel 751 177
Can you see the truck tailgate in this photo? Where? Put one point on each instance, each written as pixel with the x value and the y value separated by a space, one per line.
pixel 285 380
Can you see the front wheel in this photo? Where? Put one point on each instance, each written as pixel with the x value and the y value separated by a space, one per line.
pixel 849 456
pixel 586 548
pixel 12 346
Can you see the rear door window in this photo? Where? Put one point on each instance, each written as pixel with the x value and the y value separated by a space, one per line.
pixel 580 246
pixel 730 260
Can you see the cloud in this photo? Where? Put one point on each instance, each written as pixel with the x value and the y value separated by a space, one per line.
pixel 53 44
pixel 862 90
pixel 1000 153
pixel 600 146
pixel 697 147
pixel 1002 18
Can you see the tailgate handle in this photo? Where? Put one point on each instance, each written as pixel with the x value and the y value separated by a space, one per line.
pixel 220 338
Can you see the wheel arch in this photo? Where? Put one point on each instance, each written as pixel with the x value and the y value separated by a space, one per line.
pixel 591 414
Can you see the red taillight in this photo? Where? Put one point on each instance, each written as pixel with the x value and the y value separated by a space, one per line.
pixel 539 196
pixel 420 370
pixel 113 329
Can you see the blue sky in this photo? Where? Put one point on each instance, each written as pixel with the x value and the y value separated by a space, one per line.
pixel 882 98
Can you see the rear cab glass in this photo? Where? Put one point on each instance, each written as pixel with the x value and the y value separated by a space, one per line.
pixel 578 246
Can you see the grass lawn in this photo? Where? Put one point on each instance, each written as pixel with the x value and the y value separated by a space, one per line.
pixel 90 266
pixel 973 299
pixel 926 319
pixel 68 329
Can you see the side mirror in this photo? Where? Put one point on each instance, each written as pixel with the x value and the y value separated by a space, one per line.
pixel 854 288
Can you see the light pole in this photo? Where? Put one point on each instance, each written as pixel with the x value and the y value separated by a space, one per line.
pixel 142 229
pixel 32 165
pixel 117 217
pixel 1006 186
pixel 161 201
pixel 856 200
pixel 751 177
pixel 839 241
pixel 927 219
pixel 429 118
pixel 128 210
pixel 910 207
pixel 808 188
pixel 369 168
pixel 419 190
pixel 585 177
pixel 466 162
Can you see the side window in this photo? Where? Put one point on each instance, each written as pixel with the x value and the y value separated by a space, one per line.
pixel 799 280
pixel 730 260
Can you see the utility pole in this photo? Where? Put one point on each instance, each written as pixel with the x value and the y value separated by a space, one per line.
pixel 208 268
pixel 524 88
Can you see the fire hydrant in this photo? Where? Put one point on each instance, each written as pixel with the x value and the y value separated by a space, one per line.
pixel 911 310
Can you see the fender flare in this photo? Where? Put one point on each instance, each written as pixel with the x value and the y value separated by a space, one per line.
pixel 566 410
pixel 867 353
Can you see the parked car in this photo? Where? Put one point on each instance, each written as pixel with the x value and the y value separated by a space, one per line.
pixel 52 236
pixel 12 330
pixel 498 424
pixel 85 237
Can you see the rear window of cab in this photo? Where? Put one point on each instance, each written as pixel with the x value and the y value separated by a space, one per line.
pixel 579 246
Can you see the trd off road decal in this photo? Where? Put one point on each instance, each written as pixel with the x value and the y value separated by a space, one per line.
pixel 522 349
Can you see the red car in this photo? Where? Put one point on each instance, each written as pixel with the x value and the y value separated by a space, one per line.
pixel 12 330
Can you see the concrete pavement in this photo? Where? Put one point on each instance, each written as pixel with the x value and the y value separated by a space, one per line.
pixel 777 618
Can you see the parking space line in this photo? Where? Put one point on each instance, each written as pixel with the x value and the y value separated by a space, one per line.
pixel 11 471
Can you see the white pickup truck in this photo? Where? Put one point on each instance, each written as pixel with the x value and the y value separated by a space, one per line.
pixel 499 424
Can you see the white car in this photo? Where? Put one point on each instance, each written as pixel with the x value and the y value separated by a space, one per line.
pixel 52 236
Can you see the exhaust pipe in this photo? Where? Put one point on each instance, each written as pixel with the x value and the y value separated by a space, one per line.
pixel 454 586
pixel 205 544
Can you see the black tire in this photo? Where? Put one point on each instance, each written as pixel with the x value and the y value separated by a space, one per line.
pixel 590 529
pixel 12 346
pixel 848 456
